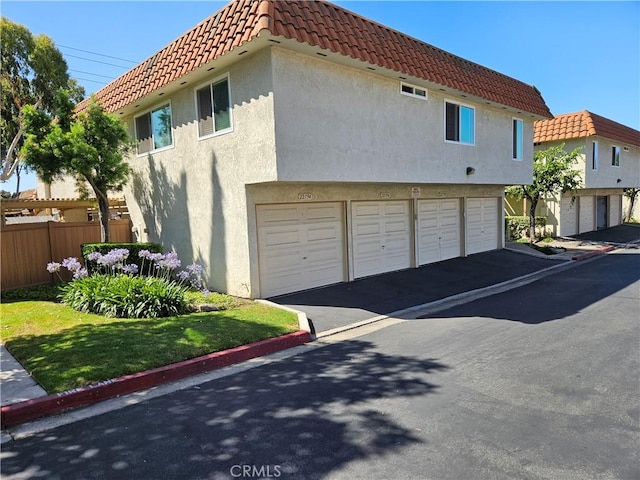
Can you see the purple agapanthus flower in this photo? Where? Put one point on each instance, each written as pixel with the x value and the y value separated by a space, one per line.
pixel 94 256
pixel 169 261
pixel 53 267
pixel 80 273
pixel 133 268
pixel 72 264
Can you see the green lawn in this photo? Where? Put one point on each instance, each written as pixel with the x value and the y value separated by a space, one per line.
pixel 65 349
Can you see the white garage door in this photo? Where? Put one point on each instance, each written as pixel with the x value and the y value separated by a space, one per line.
pixel 438 230
pixel 568 217
pixel 481 225
pixel 381 237
pixel 587 210
pixel 300 246
pixel 615 210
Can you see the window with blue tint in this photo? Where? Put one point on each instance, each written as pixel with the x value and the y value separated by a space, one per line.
pixel 154 130
pixel 214 108
pixel 518 141
pixel 161 125
pixel 459 123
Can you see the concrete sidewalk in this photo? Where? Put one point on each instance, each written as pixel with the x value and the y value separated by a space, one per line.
pixel 16 385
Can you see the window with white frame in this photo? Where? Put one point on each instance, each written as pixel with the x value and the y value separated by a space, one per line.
pixel 517 139
pixel 213 102
pixel 413 91
pixel 594 156
pixel 615 156
pixel 153 130
pixel 459 123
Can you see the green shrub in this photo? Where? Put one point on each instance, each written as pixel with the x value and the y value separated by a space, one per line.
pixel 518 226
pixel 126 296
pixel 105 248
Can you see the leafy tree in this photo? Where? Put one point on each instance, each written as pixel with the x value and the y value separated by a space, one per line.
pixel 552 174
pixel 632 195
pixel 33 70
pixel 91 145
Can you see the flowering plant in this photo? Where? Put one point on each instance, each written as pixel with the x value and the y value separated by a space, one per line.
pixel 122 289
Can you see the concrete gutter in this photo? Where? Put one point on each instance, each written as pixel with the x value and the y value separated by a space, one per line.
pixel 51 404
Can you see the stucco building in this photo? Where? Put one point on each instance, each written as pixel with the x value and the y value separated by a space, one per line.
pixel 289 145
pixel 609 162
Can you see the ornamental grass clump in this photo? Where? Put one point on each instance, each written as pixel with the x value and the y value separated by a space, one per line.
pixel 117 289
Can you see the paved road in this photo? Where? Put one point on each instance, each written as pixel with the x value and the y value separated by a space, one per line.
pixel 540 382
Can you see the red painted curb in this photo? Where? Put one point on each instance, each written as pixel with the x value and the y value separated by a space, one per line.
pixel 39 407
pixel 593 253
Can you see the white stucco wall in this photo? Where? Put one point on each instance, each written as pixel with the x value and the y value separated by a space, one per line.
pixel 334 123
pixel 191 198
pixel 607 175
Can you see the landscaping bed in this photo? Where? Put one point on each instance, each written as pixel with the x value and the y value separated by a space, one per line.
pixel 64 349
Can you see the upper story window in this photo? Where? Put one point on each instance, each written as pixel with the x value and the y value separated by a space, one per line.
pixel 615 156
pixel 594 156
pixel 213 103
pixel 459 123
pixel 413 91
pixel 518 140
pixel 153 130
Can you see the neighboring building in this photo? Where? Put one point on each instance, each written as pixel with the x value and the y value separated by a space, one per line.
pixel 289 145
pixel 610 162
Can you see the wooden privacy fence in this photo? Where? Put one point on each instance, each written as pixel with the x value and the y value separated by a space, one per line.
pixel 27 248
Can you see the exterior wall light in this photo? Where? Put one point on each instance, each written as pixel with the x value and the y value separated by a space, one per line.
pixel 471 170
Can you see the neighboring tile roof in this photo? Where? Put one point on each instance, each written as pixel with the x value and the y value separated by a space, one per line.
pixel 324 25
pixel 583 124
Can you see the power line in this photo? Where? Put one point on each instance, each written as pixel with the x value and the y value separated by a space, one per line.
pixel 87 80
pixel 89 73
pixel 98 54
pixel 96 61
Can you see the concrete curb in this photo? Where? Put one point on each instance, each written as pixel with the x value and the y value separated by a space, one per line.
pixel 44 406
pixel 464 297
pixel 593 253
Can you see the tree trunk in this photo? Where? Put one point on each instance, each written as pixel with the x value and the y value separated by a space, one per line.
pixel 632 201
pixel 532 219
pixel 103 208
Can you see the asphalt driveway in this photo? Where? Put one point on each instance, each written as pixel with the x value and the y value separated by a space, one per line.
pixel 346 303
pixel 620 234
pixel 342 304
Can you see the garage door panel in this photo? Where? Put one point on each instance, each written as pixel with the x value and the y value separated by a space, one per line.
pixel 277 213
pixel 302 250
pixel 363 210
pixel 438 230
pixel 381 237
pixel 397 208
pixel 586 213
pixel 323 213
pixel 321 254
pixel 396 226
pixel 323 232
pixel 568 217
pixel 278 236
pixel 363 229
pixel 481 225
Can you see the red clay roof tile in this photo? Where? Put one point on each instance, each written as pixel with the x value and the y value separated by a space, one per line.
pixel 583 124
pixel 324 25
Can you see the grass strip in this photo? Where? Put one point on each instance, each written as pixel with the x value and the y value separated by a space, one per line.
pixel 65 349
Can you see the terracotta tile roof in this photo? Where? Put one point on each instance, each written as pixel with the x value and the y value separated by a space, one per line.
pixel 583 124
pixel 324 25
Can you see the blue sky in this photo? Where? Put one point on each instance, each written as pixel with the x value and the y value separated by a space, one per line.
pixel 580 55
